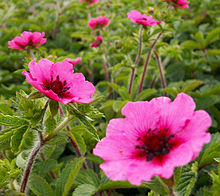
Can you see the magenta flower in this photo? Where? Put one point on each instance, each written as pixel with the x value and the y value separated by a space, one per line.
pixel 27 39
pixel 90 1
pixel 153 139
pixel 181 3
pixel 145 20
pixel 97 42
pixel 99 22
pixel 57 81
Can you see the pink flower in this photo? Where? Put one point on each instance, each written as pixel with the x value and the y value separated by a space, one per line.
pixel 181 4
pixel 99 22
pixel 27 39
pixel 90 1
pixel 97 42
pixel 74 61
pixel 57 81
pixel 153 139
pixel 145 20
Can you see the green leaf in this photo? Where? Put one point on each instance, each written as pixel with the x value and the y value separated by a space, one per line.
pixel 190 44
pixel 122 91
pixel 54 106
pixel 44 167
pixel 36 95
pixel 84 120
pixel 88 177
pixel 194 84
pixel 145 94
pixel 118 105
pixel 157 185
pixel 212 35
pixel 39 186
pixel 84 190
pixel 187 179
pixel 94 159
pixel 213 52
pixel 79 140
pixel 216 182
pixel 210 151
pixel 5 109
pixel 66 178
pixel 50 124
pixel 200 38
pixel 17 138
pixel 12 121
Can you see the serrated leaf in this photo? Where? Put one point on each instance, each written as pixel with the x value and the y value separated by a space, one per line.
pixel 84 190
pixel 69 173
pixel 192 86
pixel 50 124
pixel 88 177
pixel 216 182
pixel 17 138
pixel 84 120
pixel 54 106
pixel 39 186
pixel 14 121
pixel 79 141
pixel 187 179
pixel 210 151
pixel 145 94
pixel 45 167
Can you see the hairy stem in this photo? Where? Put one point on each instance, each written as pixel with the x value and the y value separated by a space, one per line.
pixel 59 127
pixel 172 193
pixel 138 57
pixel 147 62
pixel 30 162
pixel 161 70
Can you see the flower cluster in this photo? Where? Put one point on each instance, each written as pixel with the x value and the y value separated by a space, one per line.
pixel 143 19
pixel 153 139
pixel 181 4
pixel 98 22
pixel 57 81
pixel 97 42
pixel 27 39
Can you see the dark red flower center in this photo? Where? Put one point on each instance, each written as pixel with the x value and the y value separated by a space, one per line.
pixel 57 86
pixel 155 143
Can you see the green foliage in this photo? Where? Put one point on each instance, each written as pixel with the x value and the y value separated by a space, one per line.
pixel 67 176
pixel 8 172
pixel 39 186
pixel 187 179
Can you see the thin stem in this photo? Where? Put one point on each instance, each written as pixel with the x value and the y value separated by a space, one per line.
pixel 153 81
pixel 147 61
pixel 172 193
pixel 58 128
pixel 138 57
pixel 45 108
pixel 78 152
pixel 30 163
pixel 161 71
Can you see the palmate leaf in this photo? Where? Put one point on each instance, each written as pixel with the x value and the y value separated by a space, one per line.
pixel 67 176
pixel 187 179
